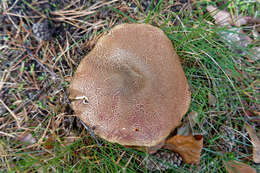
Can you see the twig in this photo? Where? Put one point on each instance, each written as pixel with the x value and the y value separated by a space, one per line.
pixel 6 134
pixel 3 79
pixel 183 26
pixel 12 5
pixel 12 113
pixel 45 132
pixel 33 98
pixel 5 8
pixel 91 131
pixel 21 16
pixel 35 10
pixel 121 156
pixel 41 64
pixel 124 169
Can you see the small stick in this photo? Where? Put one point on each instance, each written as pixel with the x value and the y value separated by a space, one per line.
pixel 33 98
pixel 12 113
pixel 7 134
pixel 124 169
pixel 40 63
pixel 45 132
pixel 91 131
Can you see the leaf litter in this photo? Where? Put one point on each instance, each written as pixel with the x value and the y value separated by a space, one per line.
pixel 239 42
pixel 234 35
pixel 187 144
pixel 189 147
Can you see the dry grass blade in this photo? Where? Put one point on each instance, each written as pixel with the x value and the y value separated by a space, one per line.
pixel 40 63
pixel 226 75
pixel 40 141
pixel 124 168
pixel 21 16
pixel 4 77
pixel 72 16
pixel 238 167
pixel 7 134
pixel 12 113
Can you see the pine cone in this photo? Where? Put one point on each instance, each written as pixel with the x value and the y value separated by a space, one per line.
pixel 162 160
pixel 227 140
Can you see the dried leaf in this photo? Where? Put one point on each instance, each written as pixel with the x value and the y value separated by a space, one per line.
pixel 236 36
pixel 188 123
pixel 211 99
pixel 237 40
pixel 257 113
pixel 184 129
pixel 254 54
pixel 255 142
pixel 223 18
pixel 242 20
pixel 189 147
pixel 249 113
pixel 193 118
pixel 26 138
pixel 238 167
pixel 49 143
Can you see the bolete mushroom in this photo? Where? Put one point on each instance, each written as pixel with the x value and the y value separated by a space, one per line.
pixel 131 87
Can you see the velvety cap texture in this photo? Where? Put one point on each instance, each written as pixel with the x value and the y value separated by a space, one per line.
pixel 131 87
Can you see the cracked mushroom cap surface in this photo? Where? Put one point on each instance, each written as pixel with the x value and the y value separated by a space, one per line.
pixel 131 87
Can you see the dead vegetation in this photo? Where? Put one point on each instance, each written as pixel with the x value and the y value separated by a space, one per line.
pixel 41 44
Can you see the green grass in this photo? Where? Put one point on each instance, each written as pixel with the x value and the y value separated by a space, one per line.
pixel 211 68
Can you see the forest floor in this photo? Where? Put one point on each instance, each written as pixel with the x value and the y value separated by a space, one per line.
pixel 42 43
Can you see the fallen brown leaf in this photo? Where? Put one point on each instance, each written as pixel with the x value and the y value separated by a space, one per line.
pixel 255 142
pixel 184 129
pixel 254 54
pixel 233 35
pixel 223 18
pixel 238 167
pixel 257 113
pixel 188 124
pixel 193 118
pixel 189 147
pixel 49 143
pixel 26 137
pixel 211 99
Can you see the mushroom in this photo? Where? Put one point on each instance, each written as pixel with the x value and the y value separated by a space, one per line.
pixel 131 87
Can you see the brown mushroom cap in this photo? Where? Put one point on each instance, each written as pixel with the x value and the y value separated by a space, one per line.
pixel 134 86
